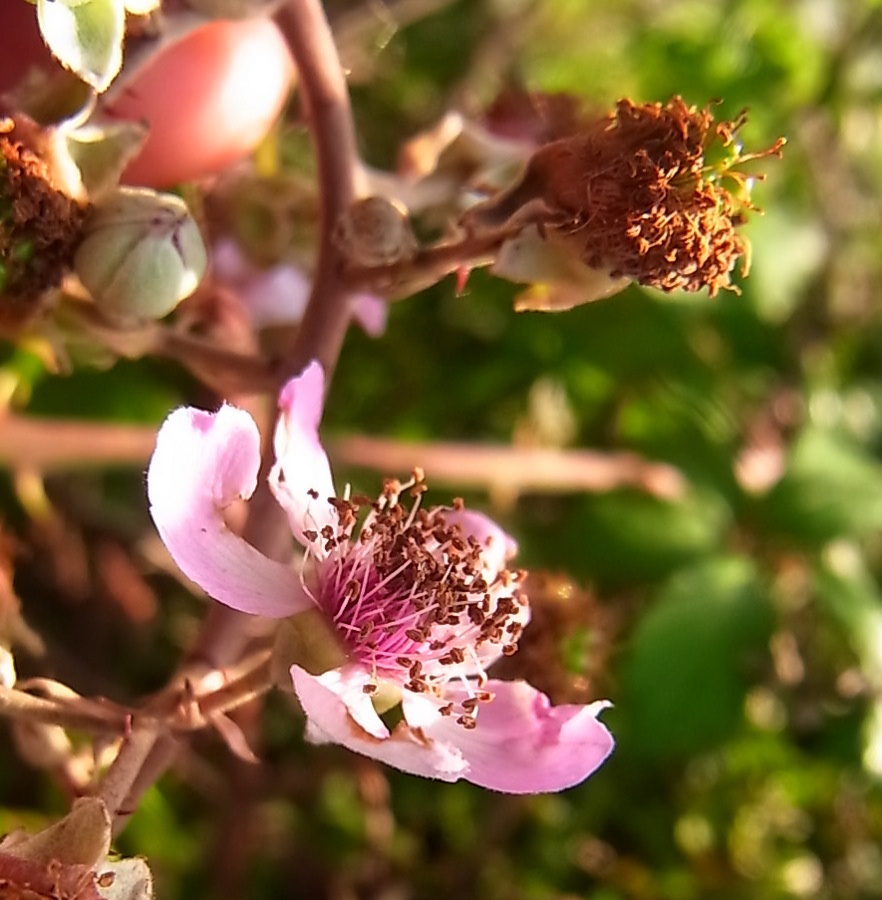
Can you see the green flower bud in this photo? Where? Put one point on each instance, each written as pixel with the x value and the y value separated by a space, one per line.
pixel 142 254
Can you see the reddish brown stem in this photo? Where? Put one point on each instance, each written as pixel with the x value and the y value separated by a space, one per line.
pixel 49 444
pixel 326 102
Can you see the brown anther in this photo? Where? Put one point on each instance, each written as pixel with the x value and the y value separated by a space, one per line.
pixel 312 492
pixel 475 615
pixel 370 688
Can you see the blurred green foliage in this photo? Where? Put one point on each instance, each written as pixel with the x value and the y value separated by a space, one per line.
pixel 739 627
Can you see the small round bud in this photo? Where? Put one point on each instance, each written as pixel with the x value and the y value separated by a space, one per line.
pixel 141 255
pixel 375 231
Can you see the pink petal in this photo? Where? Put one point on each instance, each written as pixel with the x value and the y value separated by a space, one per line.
pixel 408 749
pixel 347 684
pixel 524 745
pixel 203 462
pixel 371 312
pixel 301 463
pixel 277 296
pixel 499 547
pixel 229 263
pixel 274 296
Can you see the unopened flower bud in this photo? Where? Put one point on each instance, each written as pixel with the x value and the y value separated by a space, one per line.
pixel 141 255
pixel 376 231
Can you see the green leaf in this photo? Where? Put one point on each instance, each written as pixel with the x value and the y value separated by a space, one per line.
pixel 86 36
pixel 626 537
pixel 832 488
pixel 849 594
pixel 685 675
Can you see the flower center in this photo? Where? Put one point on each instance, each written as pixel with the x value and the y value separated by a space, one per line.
pixel 414 597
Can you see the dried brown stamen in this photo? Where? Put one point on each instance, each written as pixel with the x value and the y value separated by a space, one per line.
pixel 650 192
pixel 39 229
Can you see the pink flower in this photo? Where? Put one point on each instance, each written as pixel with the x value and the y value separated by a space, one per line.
pixel 278 295
pixel 421 602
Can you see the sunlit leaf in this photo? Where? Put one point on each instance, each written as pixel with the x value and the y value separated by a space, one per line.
pixel 832 487
pixel 686 672
pixel 86 36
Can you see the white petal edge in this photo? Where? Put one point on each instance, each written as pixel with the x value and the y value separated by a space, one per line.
pixel 329 720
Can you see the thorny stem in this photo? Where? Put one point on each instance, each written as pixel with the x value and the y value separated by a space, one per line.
pixel 226 371
pixel 74 713
pixel 251 678
pixel 138 743
pixel 59 444
pixel 256 681
pixel 320 333
pixel 429 264
pixel 326 102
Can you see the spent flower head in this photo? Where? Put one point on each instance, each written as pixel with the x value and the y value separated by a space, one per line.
pixel 40 227
pixel 651 192
pixel 418 603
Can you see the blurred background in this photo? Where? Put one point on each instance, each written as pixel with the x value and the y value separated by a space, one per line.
pixel 721 587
